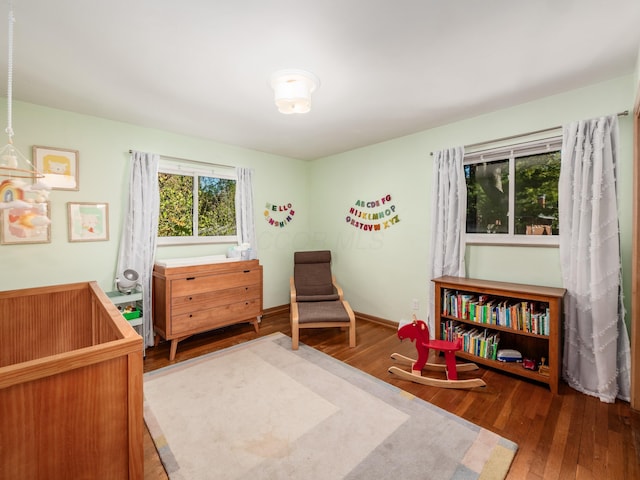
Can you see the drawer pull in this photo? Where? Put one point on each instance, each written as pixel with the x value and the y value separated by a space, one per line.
pixel 191 278
pixel 190 298
pixel 247 271
pixel 191 315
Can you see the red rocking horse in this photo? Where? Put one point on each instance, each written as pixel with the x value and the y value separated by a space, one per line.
pixel 417 330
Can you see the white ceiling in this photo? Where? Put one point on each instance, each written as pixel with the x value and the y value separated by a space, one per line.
pixel 387 68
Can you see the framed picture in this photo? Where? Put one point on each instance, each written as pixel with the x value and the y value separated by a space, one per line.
pixel 59 167
pixel 88 222
pixel 30 224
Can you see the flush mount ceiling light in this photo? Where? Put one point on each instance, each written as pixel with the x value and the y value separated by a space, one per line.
pixel 293 90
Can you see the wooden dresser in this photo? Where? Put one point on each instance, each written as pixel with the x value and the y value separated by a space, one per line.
pixel 197 298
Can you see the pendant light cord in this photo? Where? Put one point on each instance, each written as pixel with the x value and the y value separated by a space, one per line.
pixel 9 129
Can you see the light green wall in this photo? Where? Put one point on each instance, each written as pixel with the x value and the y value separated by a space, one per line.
pixel 381 272
pixel 384 271
pixel 104 177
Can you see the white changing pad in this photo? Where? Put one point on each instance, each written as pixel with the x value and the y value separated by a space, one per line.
pixel 189 261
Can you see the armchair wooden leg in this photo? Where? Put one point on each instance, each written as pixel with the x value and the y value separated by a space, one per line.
pixel 352 336
pixel 295 337
pixel 295 326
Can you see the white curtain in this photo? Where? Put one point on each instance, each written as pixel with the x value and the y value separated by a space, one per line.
pixel 596 357
pixel 245 224
pixel 448 219
pixel 140 229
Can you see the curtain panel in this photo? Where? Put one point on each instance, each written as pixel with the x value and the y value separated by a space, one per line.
pixel 596 356
pixel 448 219
pixel 140 229
pixel 245 223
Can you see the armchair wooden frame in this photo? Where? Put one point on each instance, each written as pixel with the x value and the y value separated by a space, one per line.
pixel 296 325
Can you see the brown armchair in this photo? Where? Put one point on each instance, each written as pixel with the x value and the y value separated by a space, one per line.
pixel 316 300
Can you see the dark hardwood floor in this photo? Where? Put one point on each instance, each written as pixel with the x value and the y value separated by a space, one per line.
pixel 563 436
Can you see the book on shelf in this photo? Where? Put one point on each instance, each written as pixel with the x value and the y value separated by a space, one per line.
pixel 446 296
pixel 481 342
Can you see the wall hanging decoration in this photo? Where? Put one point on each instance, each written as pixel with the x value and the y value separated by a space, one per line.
pixel 22 187
pixel 373 215
pixel 278 215
pixel 25 224
pixel 88 222
pixel 59 167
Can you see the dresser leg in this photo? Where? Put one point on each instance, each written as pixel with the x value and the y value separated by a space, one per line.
pixel 174 347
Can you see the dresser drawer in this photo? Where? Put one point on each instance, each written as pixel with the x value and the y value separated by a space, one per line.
pixel 210 318
pixel 207 283
pixel 200 301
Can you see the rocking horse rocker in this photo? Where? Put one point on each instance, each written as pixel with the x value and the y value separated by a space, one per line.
pixel 417 330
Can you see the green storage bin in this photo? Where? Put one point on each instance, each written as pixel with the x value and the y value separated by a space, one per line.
pixel 132 315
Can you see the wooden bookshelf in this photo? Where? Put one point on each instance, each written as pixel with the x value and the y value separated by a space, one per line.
pixel 531 345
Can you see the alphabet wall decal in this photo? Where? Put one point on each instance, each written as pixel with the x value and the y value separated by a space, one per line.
pixel 278 216
pixel 373 215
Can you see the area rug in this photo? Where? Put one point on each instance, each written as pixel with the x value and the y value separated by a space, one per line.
pixel 259 410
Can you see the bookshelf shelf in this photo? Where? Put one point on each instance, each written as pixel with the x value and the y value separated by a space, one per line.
pixel 492 326
pixel 515 336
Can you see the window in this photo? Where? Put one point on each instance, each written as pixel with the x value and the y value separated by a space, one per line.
pixel 512 194
pixel 197 204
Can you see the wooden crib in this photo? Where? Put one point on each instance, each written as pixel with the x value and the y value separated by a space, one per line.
pixel 70 386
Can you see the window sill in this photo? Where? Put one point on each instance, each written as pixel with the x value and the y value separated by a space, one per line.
pixel 552 241
pixel 168 241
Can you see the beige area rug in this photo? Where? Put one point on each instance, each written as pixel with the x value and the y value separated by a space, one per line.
pixel 259 410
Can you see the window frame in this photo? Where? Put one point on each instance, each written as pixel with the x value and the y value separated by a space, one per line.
pixel 196 169
pixel 511 153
